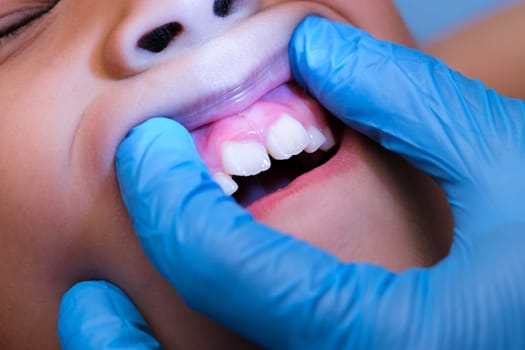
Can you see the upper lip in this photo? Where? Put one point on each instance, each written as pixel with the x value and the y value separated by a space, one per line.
pixel 228 74
pixel 223 76
pixel 195 88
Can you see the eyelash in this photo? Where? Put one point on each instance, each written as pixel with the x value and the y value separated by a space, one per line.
pixel 28 18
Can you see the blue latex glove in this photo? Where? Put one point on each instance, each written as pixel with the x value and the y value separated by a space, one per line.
pixel 97 315
pixel 284 293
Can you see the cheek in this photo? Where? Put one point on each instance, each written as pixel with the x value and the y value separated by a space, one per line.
pixel 378 17
pixel 40 117
pixel 41 114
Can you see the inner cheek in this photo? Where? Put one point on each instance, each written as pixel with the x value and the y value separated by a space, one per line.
pixel 369 212
pixel 346 215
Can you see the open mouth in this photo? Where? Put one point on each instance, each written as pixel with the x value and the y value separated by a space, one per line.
pixel 280 175
pixel 265 147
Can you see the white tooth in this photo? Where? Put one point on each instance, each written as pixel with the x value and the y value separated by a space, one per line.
pixel 330 139
pixel 226 182
pixel 317 139
pixel 286 137
pixel 244 158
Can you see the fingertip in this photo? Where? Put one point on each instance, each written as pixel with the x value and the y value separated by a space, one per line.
pixel 73 299
pixel 318 48
pixel 94 314
pixel 140 138
pixel 148 154
pixel 298 48
pixel 83 304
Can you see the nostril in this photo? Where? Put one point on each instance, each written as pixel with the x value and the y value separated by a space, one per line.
pixel 222 8
pixel 159 38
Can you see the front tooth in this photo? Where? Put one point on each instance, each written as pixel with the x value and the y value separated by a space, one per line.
pixel 244 158
pixel 286 137
pixel 317 139
pixel 226 182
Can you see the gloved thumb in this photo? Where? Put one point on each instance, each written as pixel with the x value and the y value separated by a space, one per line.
pixel 97 315
pixel 407 101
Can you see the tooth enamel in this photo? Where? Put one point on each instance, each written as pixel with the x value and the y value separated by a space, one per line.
pixel 226 182
pixel 286 137
pixel 330 139
pixel 244 158
pixel 317 139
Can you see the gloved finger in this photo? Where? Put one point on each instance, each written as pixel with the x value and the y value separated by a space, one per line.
pixel 409 102
pixel 98 315
pixel 270 287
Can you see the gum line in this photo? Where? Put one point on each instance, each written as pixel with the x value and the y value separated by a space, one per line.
pixel 253 123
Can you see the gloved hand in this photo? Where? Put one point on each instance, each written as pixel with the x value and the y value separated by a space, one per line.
pixel 96 315
pixel 246 275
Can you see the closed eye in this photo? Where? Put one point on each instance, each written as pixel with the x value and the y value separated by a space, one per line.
pixel 22 20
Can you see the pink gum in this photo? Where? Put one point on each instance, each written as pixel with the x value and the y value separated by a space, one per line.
pixel 253 123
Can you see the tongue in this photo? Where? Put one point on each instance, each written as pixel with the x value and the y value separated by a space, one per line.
pixel 252 124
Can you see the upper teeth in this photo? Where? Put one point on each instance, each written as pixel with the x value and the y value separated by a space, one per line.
pixel 317 139
pixel 286 137
pixel 244 158
pixel 226 182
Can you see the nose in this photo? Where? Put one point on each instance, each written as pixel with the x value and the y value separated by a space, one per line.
pixel 152 31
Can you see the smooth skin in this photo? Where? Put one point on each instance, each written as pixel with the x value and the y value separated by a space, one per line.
pixel 470 140
pixel 489 49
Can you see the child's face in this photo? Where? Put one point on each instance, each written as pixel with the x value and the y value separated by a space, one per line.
pixel 74 81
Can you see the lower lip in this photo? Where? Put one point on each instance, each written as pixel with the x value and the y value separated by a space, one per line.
pixel 344 161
